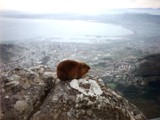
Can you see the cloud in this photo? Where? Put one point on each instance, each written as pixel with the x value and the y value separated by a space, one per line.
pixel 148 3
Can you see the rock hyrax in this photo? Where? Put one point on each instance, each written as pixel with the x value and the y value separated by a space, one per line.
pixel 70 69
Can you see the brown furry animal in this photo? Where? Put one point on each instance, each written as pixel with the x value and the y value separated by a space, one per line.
pixel 69 69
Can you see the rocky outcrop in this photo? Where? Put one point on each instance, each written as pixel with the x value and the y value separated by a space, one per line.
pixel 23 91
pixel 36 94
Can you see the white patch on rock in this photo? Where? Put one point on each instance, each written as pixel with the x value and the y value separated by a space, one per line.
pixel 15 83
pixel 74 84
pixel 48 74
pixel 114 93
pixel 14 78
pixel 6 97
pixel 93 89
pixel 21 105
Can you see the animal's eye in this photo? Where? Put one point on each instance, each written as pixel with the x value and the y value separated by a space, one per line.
pixel 88 67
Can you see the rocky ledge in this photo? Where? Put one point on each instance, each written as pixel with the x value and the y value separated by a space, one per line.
pixel 37 94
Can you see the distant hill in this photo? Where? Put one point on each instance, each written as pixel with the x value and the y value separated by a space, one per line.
pixel 119 16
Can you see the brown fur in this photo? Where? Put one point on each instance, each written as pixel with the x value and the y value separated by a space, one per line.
pixel 69 69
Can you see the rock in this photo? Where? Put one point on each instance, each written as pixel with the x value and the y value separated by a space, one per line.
pixel 21 105
pixel 37 94
pixel 23 90
pixel 86 99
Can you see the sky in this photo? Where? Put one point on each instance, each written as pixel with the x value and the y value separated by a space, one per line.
pixel 74 6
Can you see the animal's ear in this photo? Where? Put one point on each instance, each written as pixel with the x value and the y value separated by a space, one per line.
pixel 87 66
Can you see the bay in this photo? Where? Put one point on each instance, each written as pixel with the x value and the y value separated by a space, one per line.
pixel 13 29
